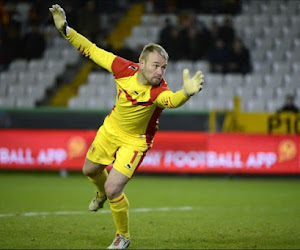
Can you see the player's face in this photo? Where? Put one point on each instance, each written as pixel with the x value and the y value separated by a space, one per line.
pixel 153 68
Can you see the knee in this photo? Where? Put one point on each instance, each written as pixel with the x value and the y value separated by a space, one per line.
pixel 112 191
pixel 89 170
pixel 86 171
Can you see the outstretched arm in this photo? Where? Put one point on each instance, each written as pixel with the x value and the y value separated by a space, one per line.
pixel 60 20
pixel 87 48
pixel 191 86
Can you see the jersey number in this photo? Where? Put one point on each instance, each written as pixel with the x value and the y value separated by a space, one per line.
pixel 134 156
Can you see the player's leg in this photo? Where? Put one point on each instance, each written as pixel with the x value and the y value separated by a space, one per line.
pixel 127 160
pixel 97 174
pixel 119 207
pixel 100 154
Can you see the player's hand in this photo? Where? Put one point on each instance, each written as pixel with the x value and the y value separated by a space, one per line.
pixel 192 85
pixel 59 17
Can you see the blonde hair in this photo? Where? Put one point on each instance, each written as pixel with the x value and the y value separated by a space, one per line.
pixel 151 47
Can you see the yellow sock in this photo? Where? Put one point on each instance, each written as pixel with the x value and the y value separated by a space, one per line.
pixel 120 211
pixel 99 181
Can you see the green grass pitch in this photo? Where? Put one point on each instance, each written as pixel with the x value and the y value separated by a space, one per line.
pixel 45 211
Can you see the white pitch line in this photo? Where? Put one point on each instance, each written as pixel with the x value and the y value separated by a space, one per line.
pixel 134 210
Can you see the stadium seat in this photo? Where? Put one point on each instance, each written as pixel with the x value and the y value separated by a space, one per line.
pixel 241 21
pixel 18 65
pixel 219 104
pixel 52 54
pixel 251 8
pixel 46 79
pixel 9 77
pixel 7 102
pixel 56 67
pixel 275 55
pixel 201 65
pixel 149 19
pixel 273 80
pixel 60 43
pixel 284 43
pixel 16 90
pixel 288 8
pixel 88 91
pixel 246 92
pixel 263 44
pixel 281 92
pixel 208 93
pixel 3 90
pixel 77 102
pixel 174 80
pixel 290 32
pixel 270 8
pixel 98 78
pixel 233 80
pixel 254 105
pixel 272 105
pixel 35 92
pixel 252 31
pixel 36 65
pixel 295 19
pixel 71 55
pixel 291 80
pixel 262 67
pixel 261 20
pixel 297 95
pixel 294 56
pixel 279 21
pixel 258 55
pixel 254 79
pixel 153 33
pixel 182 64
pixel 265 93
pixel 214 79
pixel 281 68
pixel 197 103
pixel 96 102
pixel 139 31
pixel 24 102
pixel 295 67
pixel 224 92
pixel 27 78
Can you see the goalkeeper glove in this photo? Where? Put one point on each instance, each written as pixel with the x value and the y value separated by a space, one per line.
pixel 192 85
pixel 60 20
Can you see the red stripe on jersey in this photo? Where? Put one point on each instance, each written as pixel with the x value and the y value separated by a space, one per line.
pixel 120 92
pixel 82 50
pixel 135 102
pixel 156 90
pixel 123 68
pixel 112 110
pixel 153 125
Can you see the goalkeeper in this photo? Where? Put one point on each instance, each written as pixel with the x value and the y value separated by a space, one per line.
pixel 127 133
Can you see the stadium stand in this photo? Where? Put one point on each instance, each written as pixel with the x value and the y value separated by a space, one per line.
pixel 268 29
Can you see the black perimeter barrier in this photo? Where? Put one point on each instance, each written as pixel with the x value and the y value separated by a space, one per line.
pixel 64 118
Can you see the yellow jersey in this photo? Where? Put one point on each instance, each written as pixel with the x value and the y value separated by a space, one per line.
pixel 137 107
